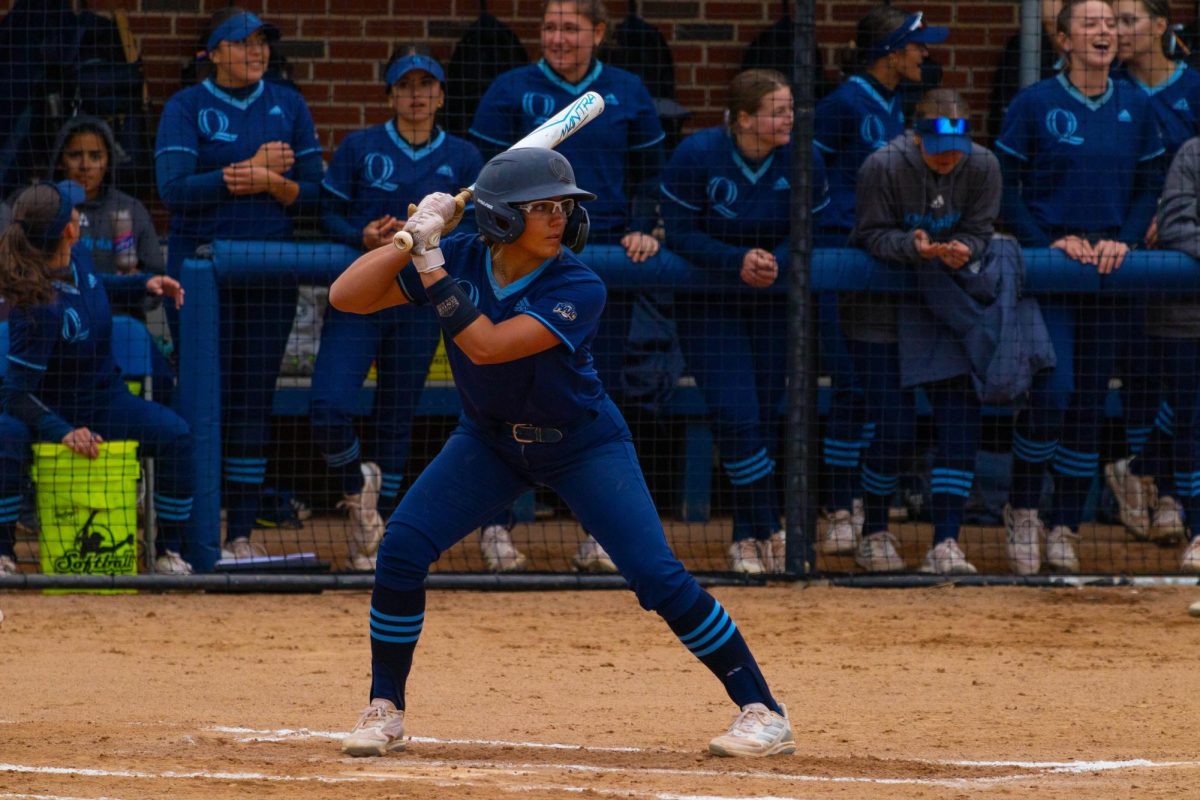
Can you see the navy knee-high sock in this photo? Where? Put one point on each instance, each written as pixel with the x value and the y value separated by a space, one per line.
pixel 396 620
pixel 1030 457
pixel 711 635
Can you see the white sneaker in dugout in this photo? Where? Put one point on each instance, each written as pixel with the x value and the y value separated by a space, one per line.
pixel 1167 525
pixel 380 730
pixel 1060 549
pixel 1023 540
pixel 877 552
pixel 495 544
pixel 242 549
pixel 858 516
pixel 592 558
pixel 744 557
pixel 840 537
pixel 775 552
pixel 756 731
pixel 1130 493
pixel 1191 557
pixel 366 526
pixel 947 558
pixel 8 566
pixel 171 563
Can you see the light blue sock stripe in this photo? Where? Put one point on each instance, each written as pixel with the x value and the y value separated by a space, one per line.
pixel 1033 451
pixel 10 516
pixel 383 627
pixel 235 460
pixel 10 501
pixel 379 615
pixel 174 516
pixel 832 462
pixel 716 610
pixel 762 472
pixel 347 456
pixel 747 469
pixel 712 632
pixel 717 645
pixel 955 483
pixel 394 639
pixel 878 484
pixel 745 462
pixel 258 481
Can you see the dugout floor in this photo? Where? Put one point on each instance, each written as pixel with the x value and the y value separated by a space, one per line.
pixel 935 693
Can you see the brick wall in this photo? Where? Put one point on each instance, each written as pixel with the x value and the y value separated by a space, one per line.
pixel 338 46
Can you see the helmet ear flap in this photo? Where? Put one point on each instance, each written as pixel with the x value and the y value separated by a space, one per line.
pixel 575 235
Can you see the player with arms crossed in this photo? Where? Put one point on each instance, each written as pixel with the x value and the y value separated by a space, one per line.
pixel 519 313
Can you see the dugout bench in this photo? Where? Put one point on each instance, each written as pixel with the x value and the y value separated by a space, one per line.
pixel 1047 272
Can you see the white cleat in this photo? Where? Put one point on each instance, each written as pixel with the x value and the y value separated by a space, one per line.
pixel 757 731
pixel 774 552
pixel 1060 549
pixel 1129 491
pixel 1190 562
pixel 242 549
pixel 499 553
pixel 840 536
pixel 1167 525
pixel 1023 540
pixel 591 557
pixel 947 558
pixel 8 566
pixel 366 526
pixel 878 553
pixel 744 557
pixel 380 730
pixel 171 563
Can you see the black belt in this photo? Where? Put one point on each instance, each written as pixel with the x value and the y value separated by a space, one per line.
pixel 540 434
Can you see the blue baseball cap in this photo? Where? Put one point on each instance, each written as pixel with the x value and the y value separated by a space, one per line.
pixel 943 134
pixel 402 66
pixel 46 237
pixel 240 26
pixel 913 29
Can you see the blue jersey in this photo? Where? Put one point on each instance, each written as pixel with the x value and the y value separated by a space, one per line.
pixel 218 129
pixel 522 99
pixel 376 172
pixel 855 120
pixel 1079 155
pixel 1175 102
pixel 61 352
pixel 719 205
pixel 553 387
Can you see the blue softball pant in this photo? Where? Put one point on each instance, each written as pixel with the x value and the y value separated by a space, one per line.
pixel 401 341
pixel 737 352
pixel 594 469
pixel 14 449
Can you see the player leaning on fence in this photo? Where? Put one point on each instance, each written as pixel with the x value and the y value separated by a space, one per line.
pixel 928 202
pixel 519 313
pixel 62 383
pixel 1080 155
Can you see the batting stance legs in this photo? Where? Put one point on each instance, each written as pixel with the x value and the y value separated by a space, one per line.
pixel 479 472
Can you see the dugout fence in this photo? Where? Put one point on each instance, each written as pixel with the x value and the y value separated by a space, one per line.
pixel 660 346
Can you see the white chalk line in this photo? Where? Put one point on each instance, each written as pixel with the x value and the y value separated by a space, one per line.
pixel 16 796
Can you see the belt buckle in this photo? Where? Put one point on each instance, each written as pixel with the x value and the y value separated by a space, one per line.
pixel 518 427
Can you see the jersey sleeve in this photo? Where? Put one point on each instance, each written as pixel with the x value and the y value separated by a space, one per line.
pixel 32 335
pixel 1151 137
pixel 1016 137
pixel 304 132
pixel 645 128
pixel 495 118
pixel 339 176
pixel 827 125
pixel 571 311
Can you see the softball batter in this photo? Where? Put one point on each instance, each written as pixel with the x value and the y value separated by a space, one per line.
pixel 519 314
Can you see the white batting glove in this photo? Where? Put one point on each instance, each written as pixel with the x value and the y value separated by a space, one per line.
pixel 439 203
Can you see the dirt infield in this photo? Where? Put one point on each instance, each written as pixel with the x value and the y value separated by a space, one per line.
pixel 937 693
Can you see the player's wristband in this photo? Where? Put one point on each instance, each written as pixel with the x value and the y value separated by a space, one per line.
pixel 455 311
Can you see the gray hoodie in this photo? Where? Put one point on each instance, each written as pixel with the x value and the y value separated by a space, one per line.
pixel 96 216
pixel 1179 229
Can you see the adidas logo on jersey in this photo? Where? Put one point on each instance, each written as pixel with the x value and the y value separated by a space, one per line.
pixel 611 100
pixel 1181 105
pixel 445 170
pixel 938 202
pixel 1124 116
pixel 782 185
pixel 275 111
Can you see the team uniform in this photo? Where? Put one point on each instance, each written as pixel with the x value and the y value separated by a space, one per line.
pixel 540 420
pixel 850 124
pixel 717 206
pixel 1086 166
pixel 375 172
pixel 61 376
pixel 613 154
pixel 202 129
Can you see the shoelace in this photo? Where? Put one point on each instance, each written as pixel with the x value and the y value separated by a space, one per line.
pixel 750 722
pixel 373 714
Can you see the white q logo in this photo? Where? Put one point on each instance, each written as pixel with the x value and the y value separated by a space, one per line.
pixel 872 131
pixel 214 125
pixel 1062 126
pixel 722 193
pixel 538 106
pixel 378 169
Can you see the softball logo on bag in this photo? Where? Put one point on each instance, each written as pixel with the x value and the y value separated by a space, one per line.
pixel 96 551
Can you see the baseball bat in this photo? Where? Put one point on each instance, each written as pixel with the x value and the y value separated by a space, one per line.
pixel 549 134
